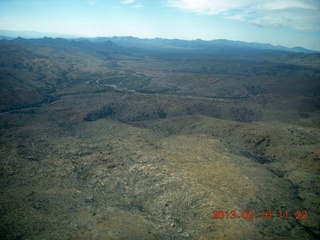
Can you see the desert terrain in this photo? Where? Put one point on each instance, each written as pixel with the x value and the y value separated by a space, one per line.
pixel 103 141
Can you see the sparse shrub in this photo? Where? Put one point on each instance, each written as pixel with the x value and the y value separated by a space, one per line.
pixel 162 113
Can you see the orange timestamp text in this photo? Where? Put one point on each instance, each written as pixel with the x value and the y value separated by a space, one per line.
pixel 264 214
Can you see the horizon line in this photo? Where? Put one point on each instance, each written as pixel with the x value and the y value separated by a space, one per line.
pixel 54 35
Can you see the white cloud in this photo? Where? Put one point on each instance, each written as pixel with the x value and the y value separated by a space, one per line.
pixel 210 6
pixel 271 22
pixel 301 19
pixel 138 6
pixel 277 5
pixel 302 15
pixel 127 1
pixel 93 1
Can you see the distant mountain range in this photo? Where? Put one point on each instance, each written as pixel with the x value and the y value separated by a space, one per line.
pixel 156 44
pixel 220 45
pixel 7 34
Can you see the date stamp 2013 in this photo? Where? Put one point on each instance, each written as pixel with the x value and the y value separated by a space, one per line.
pixel 264 214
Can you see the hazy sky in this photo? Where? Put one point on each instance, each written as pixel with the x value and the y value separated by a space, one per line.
pixel 279 22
